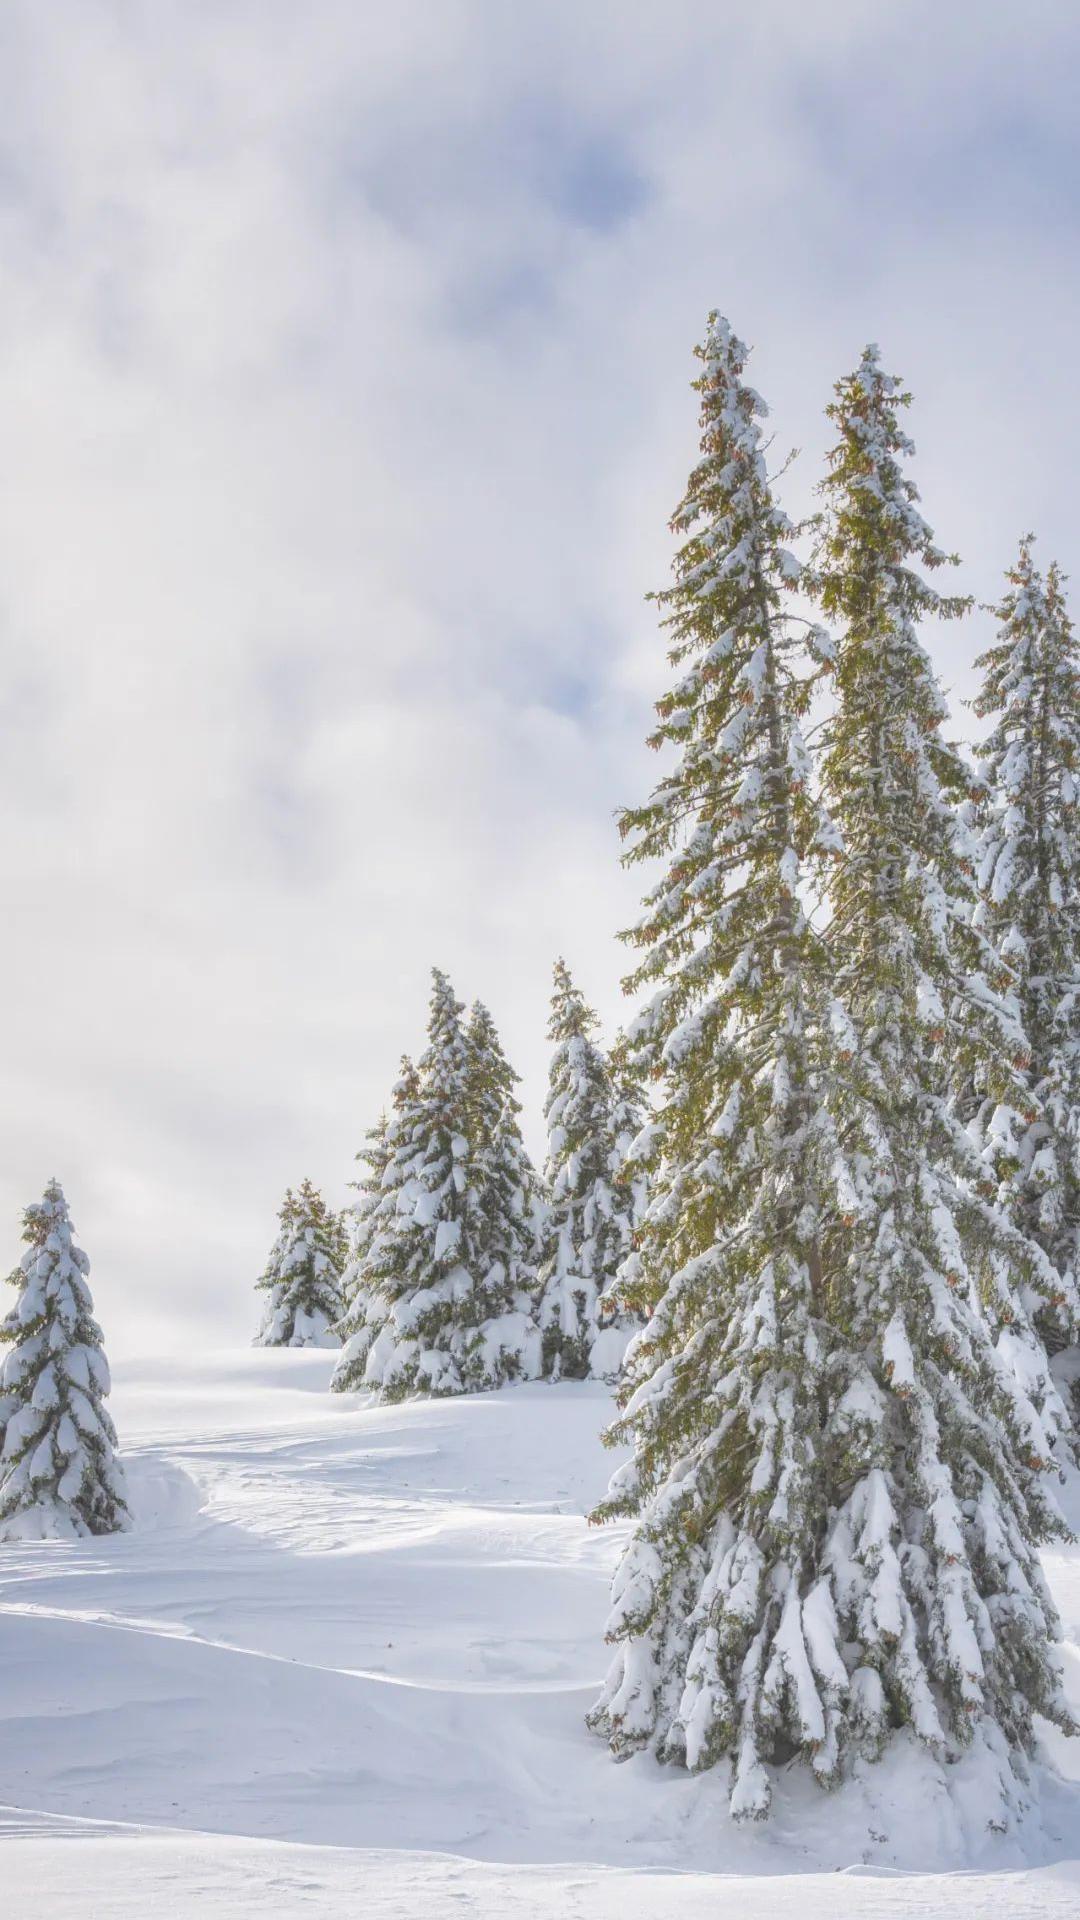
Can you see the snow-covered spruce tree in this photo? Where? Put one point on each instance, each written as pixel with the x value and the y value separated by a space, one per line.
pixel 1029 910
pixel 511 1202
pixel 630 1116
pixel 630 1100
pixel 444 1317
pixel 341 1230
pixel 360 1216
pixel 303 1275
pixel 378 1189
pixel 728 1645
pixel 59 1473
pixel 937 1458
pixel 591 1205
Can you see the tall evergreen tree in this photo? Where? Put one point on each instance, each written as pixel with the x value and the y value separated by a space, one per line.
pixel 938 1456
pixel 728 1645
pixel 59 1473
pixel 444 1317
pixel 838 1485
pixel 303 1275
pixel 1029 910
pixel 591 1206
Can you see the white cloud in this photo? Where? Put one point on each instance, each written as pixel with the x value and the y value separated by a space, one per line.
pixel 343 363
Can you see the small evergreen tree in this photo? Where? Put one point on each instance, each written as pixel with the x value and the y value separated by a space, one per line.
pixel 630 1118
pixel 728 1646
pixel 341 1228
pixel 1029 910
pixel 511 1202
pixel 591 1205
pixel 443 1317
pixel 59 1474
pixel 939 1497
pixel 359 1218
pixel 377 1202
pixel 303 1275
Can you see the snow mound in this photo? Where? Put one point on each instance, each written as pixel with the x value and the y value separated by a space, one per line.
pixel 161 1495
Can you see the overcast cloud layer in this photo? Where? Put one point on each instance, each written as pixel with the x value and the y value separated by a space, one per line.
pixel 344 353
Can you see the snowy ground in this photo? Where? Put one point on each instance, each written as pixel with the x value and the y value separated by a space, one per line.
pixel 342 1665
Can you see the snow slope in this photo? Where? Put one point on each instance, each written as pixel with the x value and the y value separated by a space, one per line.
pixel 345 1658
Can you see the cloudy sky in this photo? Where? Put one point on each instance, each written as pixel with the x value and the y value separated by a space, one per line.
pixel 344 353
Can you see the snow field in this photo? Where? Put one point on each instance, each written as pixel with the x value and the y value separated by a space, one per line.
pixel 345 1656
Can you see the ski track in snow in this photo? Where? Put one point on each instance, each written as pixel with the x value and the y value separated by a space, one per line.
pixel 345 1657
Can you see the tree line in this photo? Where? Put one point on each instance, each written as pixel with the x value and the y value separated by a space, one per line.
pixel 459 1268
